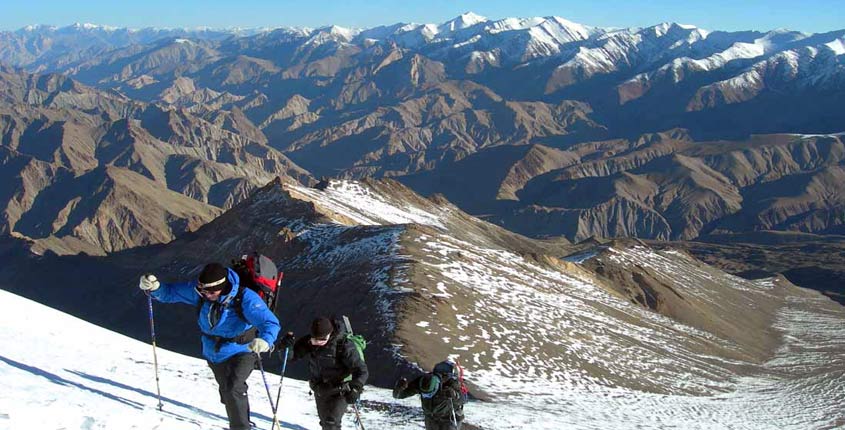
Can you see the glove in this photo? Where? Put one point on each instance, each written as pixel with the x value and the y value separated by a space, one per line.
pixel 351 391
pixel 288 340
pixel 401 385
pixel 352 397
pixel 259 345
pixel 148 283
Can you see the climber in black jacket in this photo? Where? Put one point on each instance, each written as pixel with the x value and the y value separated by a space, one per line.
pixel 338 373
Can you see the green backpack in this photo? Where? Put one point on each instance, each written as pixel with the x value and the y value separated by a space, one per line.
pixel 359 342
pixel 356 339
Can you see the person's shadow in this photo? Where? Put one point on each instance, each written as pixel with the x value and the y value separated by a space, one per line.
pixel 56 379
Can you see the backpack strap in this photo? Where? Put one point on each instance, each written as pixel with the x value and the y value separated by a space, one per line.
pixel 235 304
pixel 243 338
pixel 341 348
pixel 340 351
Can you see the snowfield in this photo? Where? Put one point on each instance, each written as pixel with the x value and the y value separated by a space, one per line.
pixel 66 373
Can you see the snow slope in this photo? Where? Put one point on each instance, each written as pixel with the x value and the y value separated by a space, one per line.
pixel 362 206
pixel 65 373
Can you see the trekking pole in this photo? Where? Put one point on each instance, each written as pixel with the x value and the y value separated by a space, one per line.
pixel 266 386
pixel 279 393
pixel 358 423
pixel 155 357
pixel 454 418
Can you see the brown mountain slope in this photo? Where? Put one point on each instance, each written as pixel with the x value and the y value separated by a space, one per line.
pixel 51 145
pixel 108 209
pixel 807 260
pixel 663 186
pixel 383 105
pixel 444 122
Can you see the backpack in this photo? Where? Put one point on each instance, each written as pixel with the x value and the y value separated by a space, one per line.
pixel 357 340
pixel 449 370
pixel 444 401
pixel 259 273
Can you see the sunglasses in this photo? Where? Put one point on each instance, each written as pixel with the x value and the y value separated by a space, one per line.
pixel 210 288
pixel 207 290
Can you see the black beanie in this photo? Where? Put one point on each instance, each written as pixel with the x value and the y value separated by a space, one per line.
pixel 212 273
pixel 321 327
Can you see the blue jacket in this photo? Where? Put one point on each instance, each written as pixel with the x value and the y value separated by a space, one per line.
pixel 230 324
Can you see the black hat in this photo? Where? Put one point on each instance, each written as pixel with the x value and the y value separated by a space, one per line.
pixel 321 327
pixel 213 275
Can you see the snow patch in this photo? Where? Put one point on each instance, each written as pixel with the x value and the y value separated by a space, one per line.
pixel 363 206
pixel 837 46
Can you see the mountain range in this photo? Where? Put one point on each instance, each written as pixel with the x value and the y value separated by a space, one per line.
pixel 564 208
pixel 542 125
pixel 92 171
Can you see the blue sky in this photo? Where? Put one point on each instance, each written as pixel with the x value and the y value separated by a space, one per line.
pixel 803 15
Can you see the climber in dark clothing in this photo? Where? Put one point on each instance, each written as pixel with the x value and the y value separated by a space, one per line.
pixel 337 371
pixel 442 394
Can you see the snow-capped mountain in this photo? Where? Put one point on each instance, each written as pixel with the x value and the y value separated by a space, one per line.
pixel 424 100
pixel 816 64
pixel 665 132
pixel 44 47
pixel 562 56
pixel 508 41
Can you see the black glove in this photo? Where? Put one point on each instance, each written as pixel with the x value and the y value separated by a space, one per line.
pixel 401 385
pixel 352 397
pixel 351 391
pixel 287 340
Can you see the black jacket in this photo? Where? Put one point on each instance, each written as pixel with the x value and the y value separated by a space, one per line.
pixel 438 407
pixel 331 363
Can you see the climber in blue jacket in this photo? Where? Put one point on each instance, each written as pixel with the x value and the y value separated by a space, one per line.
pixel 236 326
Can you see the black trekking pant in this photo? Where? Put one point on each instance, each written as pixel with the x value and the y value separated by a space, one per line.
pixel 231 377
pixel 432 424
pixel 330 409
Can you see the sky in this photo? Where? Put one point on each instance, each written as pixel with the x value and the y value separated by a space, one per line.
pixel 812 16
